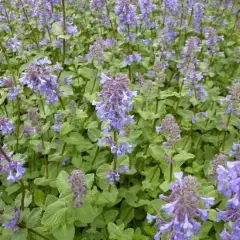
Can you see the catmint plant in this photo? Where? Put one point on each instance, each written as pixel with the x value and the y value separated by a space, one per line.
pixel 183 209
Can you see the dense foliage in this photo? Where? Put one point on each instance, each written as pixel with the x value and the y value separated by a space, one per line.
pixel 119 119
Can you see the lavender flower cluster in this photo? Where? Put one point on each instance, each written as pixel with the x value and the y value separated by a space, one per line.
pixel 115 175
pixel 171 131
pixel 39 78
pixel 114 108
pixel 13 222
pixel 12 89
pixel 228 184
pixel 183 209
pixel 6 126
pixel 78 186
pixel 232 99
pixel 14 169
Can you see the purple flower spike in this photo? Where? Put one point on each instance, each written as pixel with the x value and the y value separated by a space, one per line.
pixel 115 175
pixel 39 77
pixel 78 186
pixel 16 171
pixel 183 209
pixel 6 126
pixel 171 131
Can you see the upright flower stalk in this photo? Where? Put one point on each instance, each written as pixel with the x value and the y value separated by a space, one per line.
pixel 183 209
pixel 113 109
pixel 171 131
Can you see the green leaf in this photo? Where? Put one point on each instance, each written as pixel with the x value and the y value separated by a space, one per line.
pixel 183 156
pixel 56 157
pixel 111 196
pixel 110 215
pixel 94 134
pixel 86 73
pixel 127 213
pixel 157 152
pixel 66 128
pixel 152 178
pixel 75 138
pixel 64 232
pixel 205 228
pixel 103 170
pixel 85 213
pixel 56 28
pixel 81 114
pixel 62 182
pixel 21 235
pixel 27 199
pixel 212 215
pixel 39 197
pixel 90 180
pixel 55 214
pixel 77 161
pixel 34 217
pixel 66 91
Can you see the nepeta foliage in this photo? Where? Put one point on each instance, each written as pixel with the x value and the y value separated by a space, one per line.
pixel 103 103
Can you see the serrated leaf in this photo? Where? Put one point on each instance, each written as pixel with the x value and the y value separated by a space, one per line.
pixel 90 180
pixel 56 28
pixel 85 213
pixel 27 199
pixel 103 170
pixel 183 156
pixel 62 182
pixel 86 73
pixel 55 214
pixel 77 161
pixel 110 215
pixel 64 232
pixel 39 197
pixel 34 217
pixel 94 134
pixel 20 235
pixel 157 152
pixel 66 91
pixel 127 213
pixel 66 128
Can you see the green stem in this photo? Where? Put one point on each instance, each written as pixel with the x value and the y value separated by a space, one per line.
pixel 41 100
pixel 95 156
pixel 45 158
pixel 225 133
pixel 115 155
pixel 129 66
pixel 63 149
pixel 18 122
pixel 156 109
pixel 181 88
pixel 4 154
pixel 64 29
pixel 108 12
pixel 22 225
pixel 5 108
pixel 23 194
pixel 62 103
pixel 171 171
